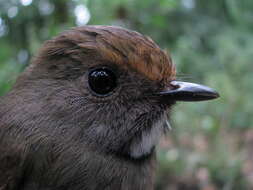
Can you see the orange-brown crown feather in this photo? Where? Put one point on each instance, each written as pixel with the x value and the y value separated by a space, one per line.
pixel 114 44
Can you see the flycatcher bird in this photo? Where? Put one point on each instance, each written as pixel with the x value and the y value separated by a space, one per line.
pixel 88 112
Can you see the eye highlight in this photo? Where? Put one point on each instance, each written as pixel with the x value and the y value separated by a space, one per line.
pixel 102 81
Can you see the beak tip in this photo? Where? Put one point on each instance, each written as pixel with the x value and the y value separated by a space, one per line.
pixel 212 96
pixel 205 94
pixel 216 95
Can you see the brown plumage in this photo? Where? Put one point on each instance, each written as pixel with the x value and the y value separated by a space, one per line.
pixel 88 112
pixel 115 45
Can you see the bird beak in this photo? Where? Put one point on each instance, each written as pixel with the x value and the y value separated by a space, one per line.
pixel 185 91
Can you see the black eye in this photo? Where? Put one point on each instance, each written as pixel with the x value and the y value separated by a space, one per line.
pixel 102 81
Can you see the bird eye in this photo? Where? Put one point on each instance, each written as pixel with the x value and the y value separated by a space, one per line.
pixel 102 81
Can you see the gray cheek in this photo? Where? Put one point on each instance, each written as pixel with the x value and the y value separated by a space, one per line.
pixel 148 140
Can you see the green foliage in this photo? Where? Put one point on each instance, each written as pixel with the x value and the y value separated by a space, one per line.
pixel 210 42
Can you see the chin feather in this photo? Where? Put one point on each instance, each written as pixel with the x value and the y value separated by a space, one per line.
pixel 145 144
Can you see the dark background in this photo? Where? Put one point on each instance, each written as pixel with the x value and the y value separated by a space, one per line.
pixel 211 143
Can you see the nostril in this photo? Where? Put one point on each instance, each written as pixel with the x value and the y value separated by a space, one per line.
pixel 173 85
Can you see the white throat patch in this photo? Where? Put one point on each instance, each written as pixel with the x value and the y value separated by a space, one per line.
pixel 148 140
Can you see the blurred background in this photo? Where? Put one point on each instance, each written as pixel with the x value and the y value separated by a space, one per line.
pixel 210 146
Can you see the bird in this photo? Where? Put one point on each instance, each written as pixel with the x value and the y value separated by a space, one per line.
pixel 88 112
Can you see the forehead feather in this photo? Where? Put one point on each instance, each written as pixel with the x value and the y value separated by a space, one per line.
pixel 126 48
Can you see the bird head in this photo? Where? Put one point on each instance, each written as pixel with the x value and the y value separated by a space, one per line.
pixel 107 88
